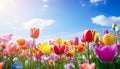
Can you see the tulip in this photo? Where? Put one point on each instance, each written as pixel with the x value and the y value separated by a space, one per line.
pixel 106 53
pixel 45 48
pixel 2 65
pixel 69 66
pixel 34 32
pixel 72 60
pixel 70 42
pixel 59 49
pixel 89 35
pixel 108 39
pixel 114 25
pixel 44 58
pixel 11 48
pixel 70 52
pixel 80 48
pixel 105 32
pixel 54 57
pixel 29 44
pixel 76 41
pixel 82 38
pixel 87 66
pixel 6 38
pixel 21 42
pixel 59 41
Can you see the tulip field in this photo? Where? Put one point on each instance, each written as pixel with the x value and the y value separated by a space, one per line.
pixel 93 50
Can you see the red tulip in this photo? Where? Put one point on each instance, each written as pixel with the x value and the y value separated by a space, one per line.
pixel 59 49
pixel 34 32
pixel 1 65
pixel 89 35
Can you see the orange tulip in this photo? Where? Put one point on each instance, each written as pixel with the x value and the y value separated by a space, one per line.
pixel 34 32
pixel 21 42
pixel 1 65
pixel 80 47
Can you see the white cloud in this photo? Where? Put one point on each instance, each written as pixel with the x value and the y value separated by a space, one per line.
pixel 41 23
pixel 45 5
pixel 96 2
pixel 105 21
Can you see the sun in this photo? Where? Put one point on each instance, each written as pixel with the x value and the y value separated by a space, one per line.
pixel 5 3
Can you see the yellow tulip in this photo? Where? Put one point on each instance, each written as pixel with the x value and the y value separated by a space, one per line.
pixel 72 51
pixel 59 41
pixel 108 39
pixel 45 48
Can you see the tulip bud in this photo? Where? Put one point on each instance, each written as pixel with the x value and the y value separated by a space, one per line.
pixel 105 32
pixel 108 39
pixel 114 25
pixel 76 41
pixel 82 38
pixel 34 32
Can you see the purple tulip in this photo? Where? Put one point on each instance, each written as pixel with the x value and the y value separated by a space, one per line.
pixel 106 53
pixel 29 44
pixel 105 32
pixel 72 60
pixel 54 56
pixel 76 41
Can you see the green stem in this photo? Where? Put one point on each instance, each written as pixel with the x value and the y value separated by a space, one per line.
pixel 107 65
pixel 88 52
pixel 113 65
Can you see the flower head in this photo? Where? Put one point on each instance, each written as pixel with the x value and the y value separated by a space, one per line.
pixel 87 66
pixel 76 41
pixel 106 53
pixel 69 66
pixel 108 39
pixel 59 49
pixel 2 65
pixel 45 48
pixel 34 32
pixel 51 62
pixel 54 57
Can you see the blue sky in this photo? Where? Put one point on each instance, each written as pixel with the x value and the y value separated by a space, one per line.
pixel 57 18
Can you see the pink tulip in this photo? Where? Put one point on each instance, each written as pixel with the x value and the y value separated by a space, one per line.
pixel 87 66
pixel 1 65
pixel 6 38
pixel 11 48
pixel 82 38
pixel 76 41
pixel 105 32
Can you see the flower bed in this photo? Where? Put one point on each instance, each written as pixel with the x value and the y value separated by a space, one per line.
pixel 94 51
